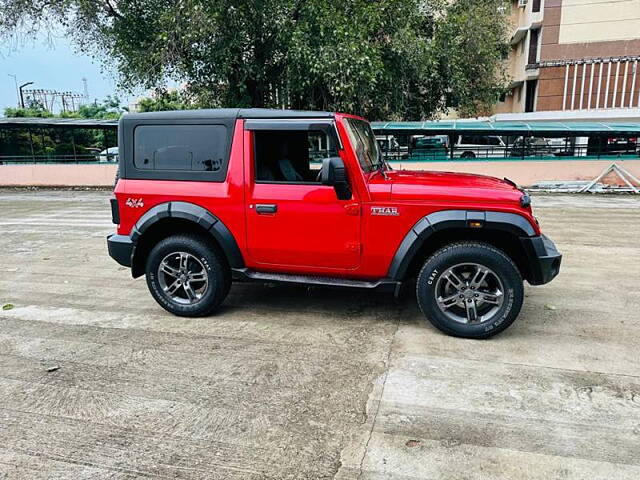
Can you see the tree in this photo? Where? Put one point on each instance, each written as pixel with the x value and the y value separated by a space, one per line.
pixel 383 59
pixel 109 108
pixel 163 100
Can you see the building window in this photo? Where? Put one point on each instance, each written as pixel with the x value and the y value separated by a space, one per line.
pixel 535 6
pixel 534 35
pixel 530 95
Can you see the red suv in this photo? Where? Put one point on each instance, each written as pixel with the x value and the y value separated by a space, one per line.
pixel 210 196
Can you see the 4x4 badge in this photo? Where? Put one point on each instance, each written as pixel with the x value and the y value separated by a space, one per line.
pixel 385 211
pixel 134 203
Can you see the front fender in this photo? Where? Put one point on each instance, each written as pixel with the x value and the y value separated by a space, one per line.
pixel 434 222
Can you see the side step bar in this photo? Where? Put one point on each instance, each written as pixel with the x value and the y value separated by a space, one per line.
pixel 246 274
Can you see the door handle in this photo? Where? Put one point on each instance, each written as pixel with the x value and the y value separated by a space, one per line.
pixel 262 208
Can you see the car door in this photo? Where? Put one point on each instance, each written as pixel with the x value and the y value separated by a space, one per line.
pixel 292 219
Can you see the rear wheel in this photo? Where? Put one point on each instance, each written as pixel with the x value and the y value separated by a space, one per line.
pixel 470 290
pixel 187 275
pixel 468 155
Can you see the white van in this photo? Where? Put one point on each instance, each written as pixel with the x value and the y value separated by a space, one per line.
pixel 479 146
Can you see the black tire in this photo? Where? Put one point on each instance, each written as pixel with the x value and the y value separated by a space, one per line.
pixel 504 274
pixel 468 155
pixel 207 257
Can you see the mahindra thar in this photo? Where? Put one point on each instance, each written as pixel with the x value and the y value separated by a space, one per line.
pixel 206 197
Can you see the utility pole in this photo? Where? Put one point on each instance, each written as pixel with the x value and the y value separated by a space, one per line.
pixel 21 96
pixel 86 91
pixel 15 82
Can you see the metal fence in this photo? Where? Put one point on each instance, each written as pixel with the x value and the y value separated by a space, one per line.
pixel 102 158
pixel 440 148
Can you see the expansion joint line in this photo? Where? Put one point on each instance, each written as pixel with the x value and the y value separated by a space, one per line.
pixel 377 408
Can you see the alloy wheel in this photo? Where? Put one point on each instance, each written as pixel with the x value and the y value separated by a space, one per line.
pixel 469 293
pixel 183 278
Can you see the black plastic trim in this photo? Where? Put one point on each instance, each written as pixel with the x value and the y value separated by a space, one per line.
pixel 544 259
pixel 120 249
pixel 298 124
pixel 444 219
pixel 252 275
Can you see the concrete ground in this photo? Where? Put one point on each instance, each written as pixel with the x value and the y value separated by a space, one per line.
pixel 96 381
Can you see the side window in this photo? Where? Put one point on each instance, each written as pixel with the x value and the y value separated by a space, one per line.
pixel 294 156
pixel 467 140
pixel 493 141
pixel 180 148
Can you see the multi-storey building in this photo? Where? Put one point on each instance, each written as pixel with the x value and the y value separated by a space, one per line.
pixel 573 55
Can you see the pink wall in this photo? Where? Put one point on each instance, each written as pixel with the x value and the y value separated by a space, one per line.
pixel 58 175
pixel 526 173
pixel 522 172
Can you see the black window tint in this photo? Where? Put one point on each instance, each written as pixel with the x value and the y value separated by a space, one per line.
pixel 493 141
pixel 190 148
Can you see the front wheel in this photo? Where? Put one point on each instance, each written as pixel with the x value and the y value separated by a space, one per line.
pixel 187 275
pixel 470 290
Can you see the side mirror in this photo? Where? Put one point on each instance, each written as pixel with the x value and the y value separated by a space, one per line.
pixel 334 173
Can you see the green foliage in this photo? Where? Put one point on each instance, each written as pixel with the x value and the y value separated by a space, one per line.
pixel 163 100
pixel 392 59
pixel 109 108
pixel 35 110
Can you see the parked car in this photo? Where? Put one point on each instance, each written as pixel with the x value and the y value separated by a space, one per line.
pixel 612 146
pixel 425 148
pixel 109 155
pixel 391 148
pixel 530 146
pixel 481 146
pixel 207 197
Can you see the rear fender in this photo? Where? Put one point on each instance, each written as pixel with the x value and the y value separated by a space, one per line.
pixel 190 212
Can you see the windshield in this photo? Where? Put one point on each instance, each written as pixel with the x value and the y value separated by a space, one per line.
pixel 364 143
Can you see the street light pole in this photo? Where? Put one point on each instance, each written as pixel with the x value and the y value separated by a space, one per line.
pixel 21 96
pixel 15 82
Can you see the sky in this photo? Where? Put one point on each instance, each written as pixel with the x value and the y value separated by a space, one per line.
pixel 54 67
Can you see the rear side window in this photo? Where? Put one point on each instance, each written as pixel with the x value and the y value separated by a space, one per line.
pixel 182 152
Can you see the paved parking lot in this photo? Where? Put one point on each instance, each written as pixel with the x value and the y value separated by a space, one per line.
pixel 96 381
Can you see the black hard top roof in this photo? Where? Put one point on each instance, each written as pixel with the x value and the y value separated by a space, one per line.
pixel 226 113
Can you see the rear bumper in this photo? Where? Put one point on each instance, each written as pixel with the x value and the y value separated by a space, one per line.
pixel 544 259
pixel 120 249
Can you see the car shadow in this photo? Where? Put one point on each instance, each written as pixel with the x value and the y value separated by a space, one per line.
pixel 293 298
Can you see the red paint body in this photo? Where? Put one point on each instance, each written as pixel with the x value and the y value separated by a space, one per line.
pixel 313 232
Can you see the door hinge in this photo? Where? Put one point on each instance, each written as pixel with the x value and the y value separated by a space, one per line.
pixel 352 209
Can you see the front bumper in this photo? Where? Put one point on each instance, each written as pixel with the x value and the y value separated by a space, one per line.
pixel 120 249
pixel 544 259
